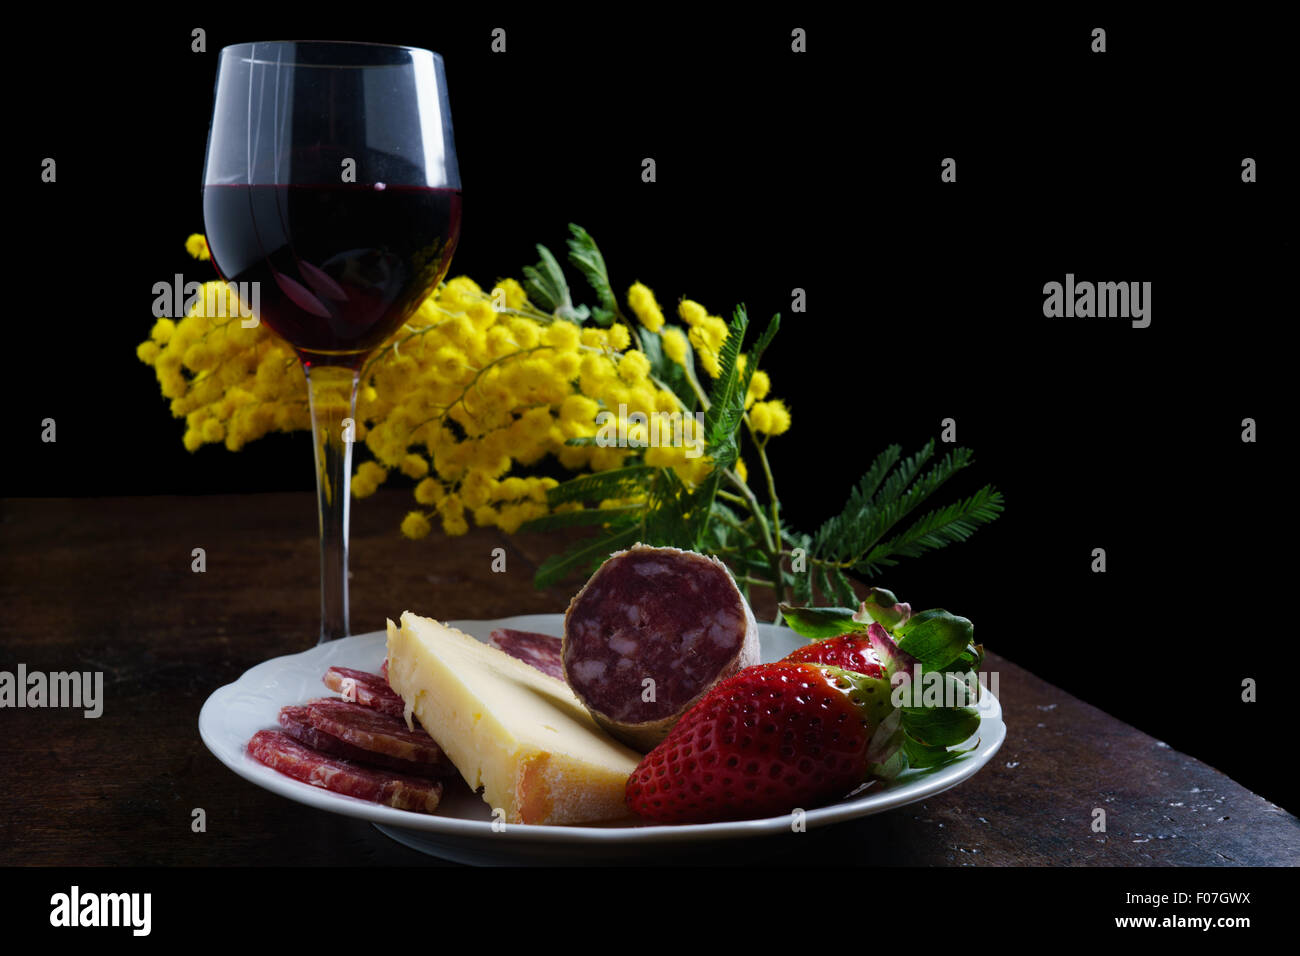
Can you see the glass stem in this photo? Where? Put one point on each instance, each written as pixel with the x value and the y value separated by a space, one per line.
pixel 333 394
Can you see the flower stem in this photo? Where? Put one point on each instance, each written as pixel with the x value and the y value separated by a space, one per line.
pixel 776 520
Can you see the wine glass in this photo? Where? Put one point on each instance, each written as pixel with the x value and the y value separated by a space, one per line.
pixel 331 198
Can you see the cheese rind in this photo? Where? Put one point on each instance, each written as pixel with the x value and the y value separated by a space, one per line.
pixel 519 734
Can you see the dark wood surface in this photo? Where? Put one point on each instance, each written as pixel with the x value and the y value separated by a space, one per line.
pixel 106 584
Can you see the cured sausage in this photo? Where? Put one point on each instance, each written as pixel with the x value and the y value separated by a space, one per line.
pixel 542 651
pixel 281 752
pixel 649 634
pixel 369 690
pixel 295 722
pixel 372 731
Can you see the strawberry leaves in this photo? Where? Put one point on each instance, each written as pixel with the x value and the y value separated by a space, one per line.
pixel 882 607
pixel 941 726
pixel 935 638
pixel 930 658
pixel 819 623
pixel 924 757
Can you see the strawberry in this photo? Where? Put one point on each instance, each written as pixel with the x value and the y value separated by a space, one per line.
pixel 767 740
pixel 813 727
pixel 853 652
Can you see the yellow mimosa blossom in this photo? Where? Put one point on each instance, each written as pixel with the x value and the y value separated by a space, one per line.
pixel 162 331
pixel 454 525
pixel 415 525
pixel 759 386
pixel 566 365
pixel 771 417
pixel 664 456
pixel 449 363
pixel 414 466
pixel 525 332
pixel 578 408
pixel 707 333
pixel 368 478
pixel 633 367
pixel 603 459
pixel 511 489
pixel 643 305
pixel 429 491
pixel 712 331
pixel 674 344
pixel 513 293
pixel 499 342
pixel 707 357
pixel 691 312
pixel 562 336
pixel 476 488
pixel 510 517
pixel 213 431
pixel 197 246
pixel 619 337
pixel 475 386
pixel 459 293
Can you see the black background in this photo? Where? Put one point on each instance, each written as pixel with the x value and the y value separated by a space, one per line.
pixel 820 171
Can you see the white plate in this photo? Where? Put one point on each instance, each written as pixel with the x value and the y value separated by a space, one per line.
pixel 461 830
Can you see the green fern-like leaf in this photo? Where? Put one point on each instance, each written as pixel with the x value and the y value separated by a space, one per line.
pixel 801 587
pixel 764 340
pixel 862 536
pixel 727 396
pixel 584 254
pixel 583 555
pixel 665 521
pixel 842 588
pixel 944 526
pixel 902 476
pixel 548 289
pixel 835 530
pixel 669 372
pixel 721 419
pixel 891 510
pixel 614 517
pixel 615 483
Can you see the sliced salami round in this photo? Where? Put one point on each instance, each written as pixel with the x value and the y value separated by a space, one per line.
pixel 541 651
pixel 369 690
pixel 370 730
pixel 281 752
pixel 649 634
pixel 296 723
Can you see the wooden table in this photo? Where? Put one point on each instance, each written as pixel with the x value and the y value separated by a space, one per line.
pixel 106 584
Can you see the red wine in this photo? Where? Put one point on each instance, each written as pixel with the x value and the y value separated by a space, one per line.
pixel 339 267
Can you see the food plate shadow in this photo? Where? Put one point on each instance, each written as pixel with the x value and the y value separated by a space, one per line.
pixel 808 848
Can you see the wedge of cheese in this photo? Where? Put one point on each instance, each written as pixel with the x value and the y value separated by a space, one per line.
pixel 519 734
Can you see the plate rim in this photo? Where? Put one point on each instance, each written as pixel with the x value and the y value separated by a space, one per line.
pixel 992 725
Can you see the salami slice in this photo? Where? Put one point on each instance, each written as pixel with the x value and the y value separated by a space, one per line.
pixel 369 690
pixel 370 730
pixel 539 650
pixel 297 724
pixel 281 752
pixel 649 634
